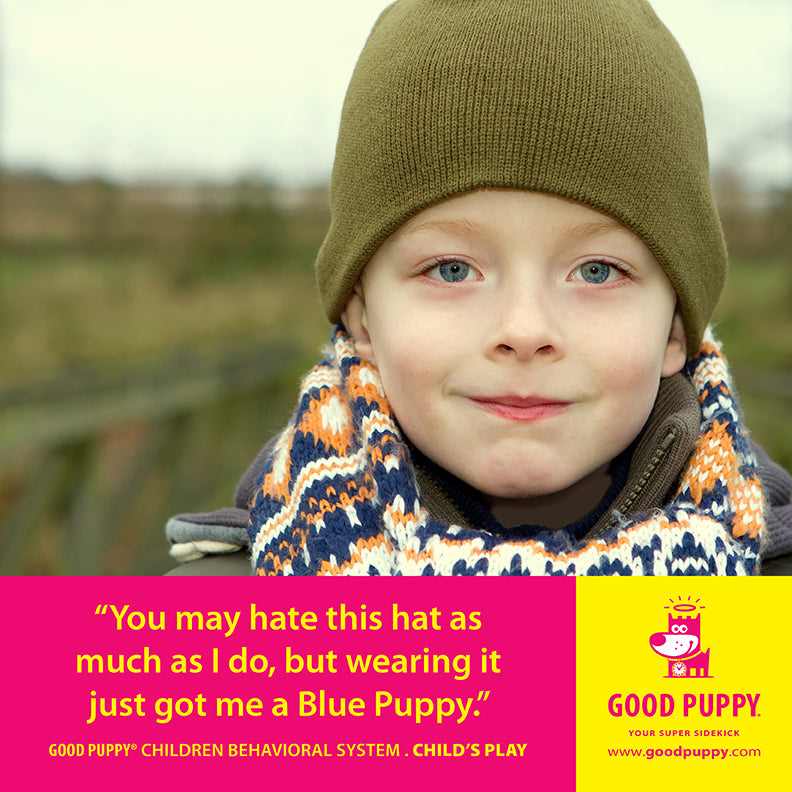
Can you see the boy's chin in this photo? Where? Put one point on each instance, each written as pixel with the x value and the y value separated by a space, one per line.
pixel 517 493
pixel 554 503
pixel 533 487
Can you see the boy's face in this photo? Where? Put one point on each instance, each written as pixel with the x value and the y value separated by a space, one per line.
pixel 520 338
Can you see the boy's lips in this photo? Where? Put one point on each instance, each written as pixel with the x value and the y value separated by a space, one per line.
pixel 521 408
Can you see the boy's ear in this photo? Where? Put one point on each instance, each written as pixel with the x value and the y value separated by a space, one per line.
pixel 354 318
pixel 676 348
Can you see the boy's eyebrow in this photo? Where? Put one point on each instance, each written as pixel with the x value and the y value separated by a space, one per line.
pixel 451 225
pixel 591 228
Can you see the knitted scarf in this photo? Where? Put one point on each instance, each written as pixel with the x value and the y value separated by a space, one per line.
pixel 338 496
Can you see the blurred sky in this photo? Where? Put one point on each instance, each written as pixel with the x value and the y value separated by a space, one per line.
pixel 217 89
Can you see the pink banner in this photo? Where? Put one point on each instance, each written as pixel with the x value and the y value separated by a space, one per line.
pixel 158 680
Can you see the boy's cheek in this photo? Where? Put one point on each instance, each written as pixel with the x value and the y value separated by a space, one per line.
pixel 631 388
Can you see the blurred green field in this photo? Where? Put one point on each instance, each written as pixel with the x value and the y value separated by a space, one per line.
pixel 754 323
pixel 102 286
pixel 95 276
pixel 151 340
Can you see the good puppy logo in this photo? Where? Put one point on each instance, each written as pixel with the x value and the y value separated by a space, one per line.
pixel 681 644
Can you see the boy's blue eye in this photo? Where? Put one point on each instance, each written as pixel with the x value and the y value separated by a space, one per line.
pixel 453 271
pixel 595 272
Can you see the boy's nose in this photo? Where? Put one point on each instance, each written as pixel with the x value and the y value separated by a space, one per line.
pixel 526 327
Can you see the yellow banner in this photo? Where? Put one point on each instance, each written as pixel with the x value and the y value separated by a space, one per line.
pixel 683 682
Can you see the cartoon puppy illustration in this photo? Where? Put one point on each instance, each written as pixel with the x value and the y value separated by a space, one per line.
pixel 681 645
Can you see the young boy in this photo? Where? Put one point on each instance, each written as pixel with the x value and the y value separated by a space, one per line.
pixel 523 258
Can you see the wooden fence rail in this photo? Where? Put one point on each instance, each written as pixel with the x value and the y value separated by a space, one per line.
pixel 91 467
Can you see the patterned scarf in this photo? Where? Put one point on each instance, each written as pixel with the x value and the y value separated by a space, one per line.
pixel 338 496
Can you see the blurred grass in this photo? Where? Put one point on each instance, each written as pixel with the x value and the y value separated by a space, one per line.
pixel 754 322
pixel 95 276
pixel 754 316
pixel 151 340
pixel 78 311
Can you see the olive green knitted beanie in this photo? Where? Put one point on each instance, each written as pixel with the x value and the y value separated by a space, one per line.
pixel 589 100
